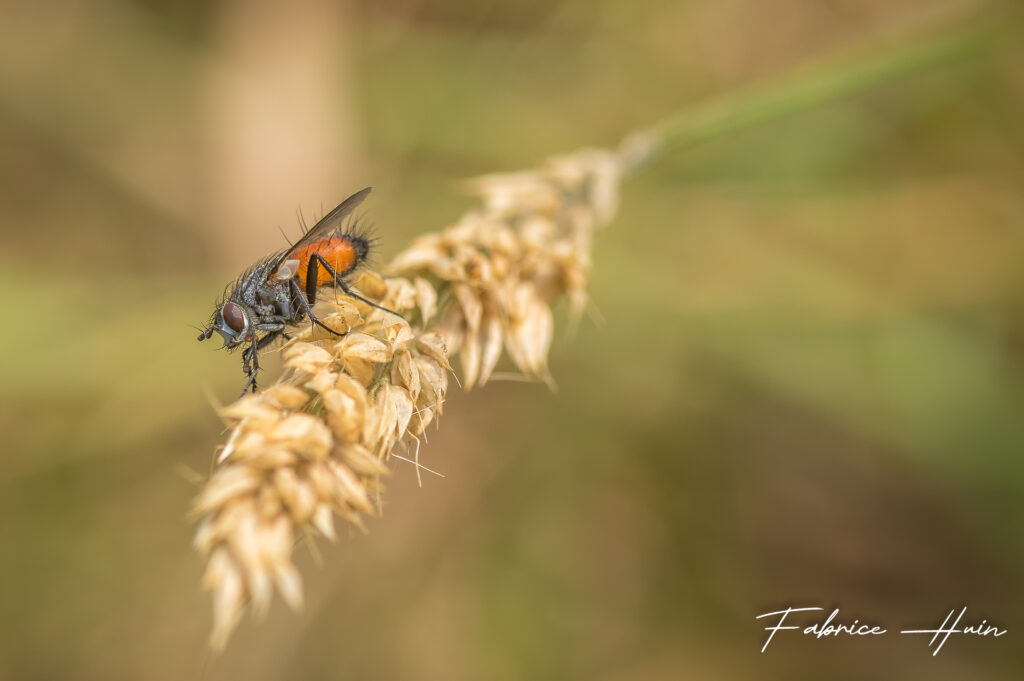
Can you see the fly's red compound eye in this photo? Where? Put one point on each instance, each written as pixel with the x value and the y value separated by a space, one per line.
pixel 233 317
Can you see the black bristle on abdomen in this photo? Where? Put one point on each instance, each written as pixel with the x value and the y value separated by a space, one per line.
pixel 361 235
pixel 361 246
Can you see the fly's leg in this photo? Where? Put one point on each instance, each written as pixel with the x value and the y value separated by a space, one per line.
pixel 250 365
pixel 250 358
pixel 275 329
pixel 307 307
pixel 312 276
pixel 251 382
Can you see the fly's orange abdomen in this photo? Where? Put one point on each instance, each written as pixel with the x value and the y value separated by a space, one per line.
pixel 342 252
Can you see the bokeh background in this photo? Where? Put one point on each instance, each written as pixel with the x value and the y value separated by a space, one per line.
pixel 804 384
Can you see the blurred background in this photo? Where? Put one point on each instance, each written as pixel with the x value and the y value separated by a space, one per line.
pixel 805 385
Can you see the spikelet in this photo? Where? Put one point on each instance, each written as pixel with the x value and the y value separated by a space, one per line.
pixel 315 444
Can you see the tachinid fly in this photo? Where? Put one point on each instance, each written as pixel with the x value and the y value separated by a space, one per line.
pixel 280 290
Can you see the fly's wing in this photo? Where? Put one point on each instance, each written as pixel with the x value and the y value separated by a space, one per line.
pixel 324 227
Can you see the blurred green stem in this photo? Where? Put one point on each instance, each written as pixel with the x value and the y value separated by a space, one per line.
pixel 811 87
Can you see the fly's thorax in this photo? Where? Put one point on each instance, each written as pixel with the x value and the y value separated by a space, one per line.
pixel 276 298
pixel 249 284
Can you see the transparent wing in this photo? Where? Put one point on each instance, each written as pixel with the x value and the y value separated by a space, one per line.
pixel 325 226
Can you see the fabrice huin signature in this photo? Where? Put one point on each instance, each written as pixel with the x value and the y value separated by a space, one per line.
pixel 832 627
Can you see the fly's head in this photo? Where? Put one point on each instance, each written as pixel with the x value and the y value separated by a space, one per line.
pixel 233 321
pixel 233 316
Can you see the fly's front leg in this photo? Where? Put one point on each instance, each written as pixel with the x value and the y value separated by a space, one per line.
pixel 274 330
pixel 250 383
pixel 250 358
pixel 250 364
pixel 271 323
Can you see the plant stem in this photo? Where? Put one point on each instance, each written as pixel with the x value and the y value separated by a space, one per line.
pixel 811 87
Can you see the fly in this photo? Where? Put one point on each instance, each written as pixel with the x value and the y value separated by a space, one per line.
pixel 280 290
